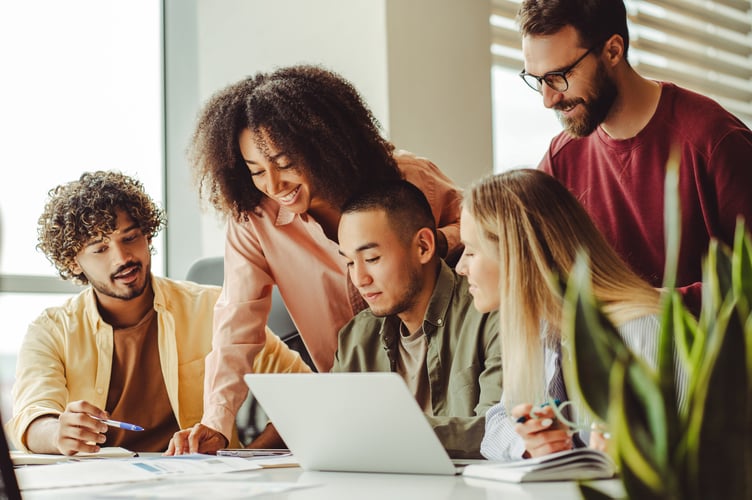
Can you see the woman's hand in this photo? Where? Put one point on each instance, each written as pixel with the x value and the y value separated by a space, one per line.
pixel 197 439
pixel 540 431
pixel 599 438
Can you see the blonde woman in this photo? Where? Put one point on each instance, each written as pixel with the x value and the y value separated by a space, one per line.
pixel 520 229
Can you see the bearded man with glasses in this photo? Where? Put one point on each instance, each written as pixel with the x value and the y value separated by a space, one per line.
pixel 619 130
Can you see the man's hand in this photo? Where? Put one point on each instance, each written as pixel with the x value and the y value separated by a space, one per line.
pixel 542 435
pixel 75 430
pixel 198 439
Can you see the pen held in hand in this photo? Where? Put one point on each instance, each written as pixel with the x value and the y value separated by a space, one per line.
pixel 120 425
pixel 525 418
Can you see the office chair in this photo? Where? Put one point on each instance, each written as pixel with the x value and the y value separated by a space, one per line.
pixel 210 271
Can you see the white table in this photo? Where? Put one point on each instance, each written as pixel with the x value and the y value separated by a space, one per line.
pixel 330 486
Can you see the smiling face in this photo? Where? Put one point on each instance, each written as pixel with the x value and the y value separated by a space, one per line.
pixel 481 269
pixel 591 92
pixel 276 174
pixel 387 271
pixel 117 265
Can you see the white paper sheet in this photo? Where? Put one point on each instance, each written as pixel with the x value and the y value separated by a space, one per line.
pixel 126 470
pixel 230 488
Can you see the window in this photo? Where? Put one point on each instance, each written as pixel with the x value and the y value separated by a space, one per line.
pixel 522 126
pixel 81 90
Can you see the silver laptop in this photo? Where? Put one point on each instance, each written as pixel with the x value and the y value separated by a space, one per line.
pixel 351 422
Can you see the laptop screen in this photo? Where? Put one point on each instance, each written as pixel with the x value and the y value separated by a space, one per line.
pixel 371 416
pixel 8 484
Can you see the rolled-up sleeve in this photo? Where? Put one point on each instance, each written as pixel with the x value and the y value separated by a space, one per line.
pixel 40 386
pixel 501 442
pixel 239 331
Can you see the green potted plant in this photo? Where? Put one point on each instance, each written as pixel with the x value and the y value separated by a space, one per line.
pixel 702 449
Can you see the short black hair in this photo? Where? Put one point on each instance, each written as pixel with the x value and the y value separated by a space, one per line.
pixel 405 205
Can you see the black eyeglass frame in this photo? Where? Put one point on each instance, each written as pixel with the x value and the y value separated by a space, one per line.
pixel 540 80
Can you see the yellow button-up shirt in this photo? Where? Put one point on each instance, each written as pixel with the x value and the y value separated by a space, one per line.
pixel 66 355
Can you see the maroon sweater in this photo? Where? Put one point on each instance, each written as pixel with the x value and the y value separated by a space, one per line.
pixel 620 182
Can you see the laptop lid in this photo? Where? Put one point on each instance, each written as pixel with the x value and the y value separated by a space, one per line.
pixel 353 422
pixel 8 486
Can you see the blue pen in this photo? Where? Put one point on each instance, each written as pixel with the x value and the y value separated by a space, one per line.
pixel 121 425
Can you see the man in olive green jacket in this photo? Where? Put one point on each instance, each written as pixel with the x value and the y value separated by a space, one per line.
pixel 420 322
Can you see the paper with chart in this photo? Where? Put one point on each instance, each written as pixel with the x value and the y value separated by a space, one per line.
pixel 126 470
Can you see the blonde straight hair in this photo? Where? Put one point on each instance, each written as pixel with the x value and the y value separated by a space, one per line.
pixel 535 227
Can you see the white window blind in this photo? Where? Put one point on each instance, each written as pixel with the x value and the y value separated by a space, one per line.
pixel 705 46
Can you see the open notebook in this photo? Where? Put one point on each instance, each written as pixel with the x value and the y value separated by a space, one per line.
pixel 22 458
pixel 351 422
pixel 577 464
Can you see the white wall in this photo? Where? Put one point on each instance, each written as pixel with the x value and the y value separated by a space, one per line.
pixel 440 83
pixel 238 38
pixel 423 66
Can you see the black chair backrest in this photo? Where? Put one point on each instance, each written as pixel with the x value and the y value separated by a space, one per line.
pixel 210 271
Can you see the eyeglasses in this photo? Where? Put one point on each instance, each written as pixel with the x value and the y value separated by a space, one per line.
pixel 558 407
pixel 557 80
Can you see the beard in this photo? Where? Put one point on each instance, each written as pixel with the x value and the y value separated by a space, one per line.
pixel 133 290
pixel 595 109
pixel 406 299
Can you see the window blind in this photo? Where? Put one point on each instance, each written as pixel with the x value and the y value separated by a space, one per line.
pixel 702 45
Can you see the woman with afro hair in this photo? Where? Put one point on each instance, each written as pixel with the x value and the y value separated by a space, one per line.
pixel 278 154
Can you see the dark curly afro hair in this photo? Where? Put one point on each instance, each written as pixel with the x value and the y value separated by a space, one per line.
pixel 312 114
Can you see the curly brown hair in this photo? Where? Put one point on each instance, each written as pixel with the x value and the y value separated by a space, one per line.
pixel 312 114
pixel 86 209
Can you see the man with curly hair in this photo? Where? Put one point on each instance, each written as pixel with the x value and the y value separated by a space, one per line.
pixel 131 346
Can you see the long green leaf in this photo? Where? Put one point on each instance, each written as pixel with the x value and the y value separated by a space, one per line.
pixel 633 458
pixel 742 278
pixel 685 331
pixel 594 342
pixel 715 287
pixel 748 398
pixel 719 426
pixel 637 489
pixel 671 219
pixel 671 321
pixel 591 493
pixel 741 262
pixel 644 409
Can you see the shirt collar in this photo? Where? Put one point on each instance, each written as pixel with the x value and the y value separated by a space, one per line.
pixel 441 299
pixel 438 306
pixel 92 309
pixel 282 215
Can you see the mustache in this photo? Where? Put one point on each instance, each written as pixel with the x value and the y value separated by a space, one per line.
pixel 561 106
pixel 124 267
